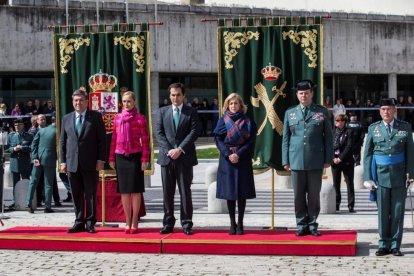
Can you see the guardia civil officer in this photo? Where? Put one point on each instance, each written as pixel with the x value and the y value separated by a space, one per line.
pixel 388 157
pixel 306 151
pixel 19 147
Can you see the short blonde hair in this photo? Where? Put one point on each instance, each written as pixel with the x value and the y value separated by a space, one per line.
pixel 129 93
pixel 243 107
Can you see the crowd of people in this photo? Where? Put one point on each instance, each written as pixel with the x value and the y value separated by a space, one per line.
pixel 367 112
pixel 309 146
pixel 25 110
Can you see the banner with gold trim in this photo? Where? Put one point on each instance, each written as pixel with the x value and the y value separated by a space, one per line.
pixel 262 64
pixel 104 64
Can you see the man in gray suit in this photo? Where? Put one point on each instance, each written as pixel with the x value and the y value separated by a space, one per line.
pixel 44 161
pixel 177 129
pixel 82 156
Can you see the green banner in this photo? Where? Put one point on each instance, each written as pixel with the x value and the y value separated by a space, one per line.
pixel 262 64
pixel 123 56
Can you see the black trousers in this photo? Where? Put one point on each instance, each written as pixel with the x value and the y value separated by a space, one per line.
pixel 176 173
pixel 348 171
pixel 84 185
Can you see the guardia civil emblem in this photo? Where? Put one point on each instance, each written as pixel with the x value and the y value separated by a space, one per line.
pixel 270 73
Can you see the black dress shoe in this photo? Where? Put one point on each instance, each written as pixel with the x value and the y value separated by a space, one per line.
pixel 167 230
pixel 315 233
pixel 188 231
pixel 58 204
pixel 11 207
pixel 232 230
pixel 301 232
pixel 382 252
pixel 396 252
pixel 351 210
pixel 240 230
pixel 49 210
pixel 30 210
pixel 75 229
pixel 90 229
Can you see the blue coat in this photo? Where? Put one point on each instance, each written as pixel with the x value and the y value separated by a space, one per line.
pixel 235 181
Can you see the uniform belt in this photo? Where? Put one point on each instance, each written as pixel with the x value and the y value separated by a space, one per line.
pixel 385 160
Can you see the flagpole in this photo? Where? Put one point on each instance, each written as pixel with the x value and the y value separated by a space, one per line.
pixel 273 200
pixel 97 12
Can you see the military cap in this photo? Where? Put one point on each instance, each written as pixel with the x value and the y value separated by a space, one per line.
pixel 388 102
pixel 304 85
pixel 18 121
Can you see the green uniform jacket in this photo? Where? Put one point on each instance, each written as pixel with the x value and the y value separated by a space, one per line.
pixel 381 143
pixel 307 142
pixel 19 160
pixel 44 146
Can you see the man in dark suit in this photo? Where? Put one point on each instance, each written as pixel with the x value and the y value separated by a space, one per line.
pixel 177 129
pixel 82 156
pixel 306 151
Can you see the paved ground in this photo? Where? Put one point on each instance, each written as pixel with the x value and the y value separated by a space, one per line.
pixel 258 216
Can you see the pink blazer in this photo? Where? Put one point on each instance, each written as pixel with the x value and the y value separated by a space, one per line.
pixel 139 133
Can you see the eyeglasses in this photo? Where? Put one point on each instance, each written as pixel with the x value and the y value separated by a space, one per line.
pixel 339 121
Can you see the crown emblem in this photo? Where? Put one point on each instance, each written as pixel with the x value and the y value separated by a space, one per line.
pixel 102 82
pixel 271 72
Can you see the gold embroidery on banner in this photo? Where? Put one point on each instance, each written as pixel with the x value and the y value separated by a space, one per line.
pixel 256 162
pixel 67 47
pixel 271 114
pixel 137 45
pixel 308 41
pixel 233 41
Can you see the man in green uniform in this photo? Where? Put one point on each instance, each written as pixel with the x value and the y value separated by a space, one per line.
pixel 307 149
pixel 388 157
pixel 44 160
pixel 19 143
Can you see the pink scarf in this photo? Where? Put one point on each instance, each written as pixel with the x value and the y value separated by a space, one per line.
pixel 124 135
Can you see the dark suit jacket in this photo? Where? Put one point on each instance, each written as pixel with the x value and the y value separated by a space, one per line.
pixel 83 152
pixel 345 147
pixel 187 132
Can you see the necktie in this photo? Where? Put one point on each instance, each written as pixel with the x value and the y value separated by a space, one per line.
pixel 176 117
pixel 305 112
pixel 389 128
pixel 78 126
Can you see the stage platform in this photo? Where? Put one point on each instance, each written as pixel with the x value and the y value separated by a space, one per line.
pixel 203 241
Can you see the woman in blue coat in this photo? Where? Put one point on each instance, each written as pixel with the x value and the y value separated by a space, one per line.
pixel 235 136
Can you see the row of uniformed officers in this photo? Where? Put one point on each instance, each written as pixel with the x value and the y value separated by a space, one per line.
pixel 308 147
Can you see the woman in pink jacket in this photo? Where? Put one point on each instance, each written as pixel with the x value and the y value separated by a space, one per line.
pixel 129 155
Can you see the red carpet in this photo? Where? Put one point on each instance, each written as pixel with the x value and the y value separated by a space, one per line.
pixel 203 241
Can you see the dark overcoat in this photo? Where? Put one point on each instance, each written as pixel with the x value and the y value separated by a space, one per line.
pixel 235 181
